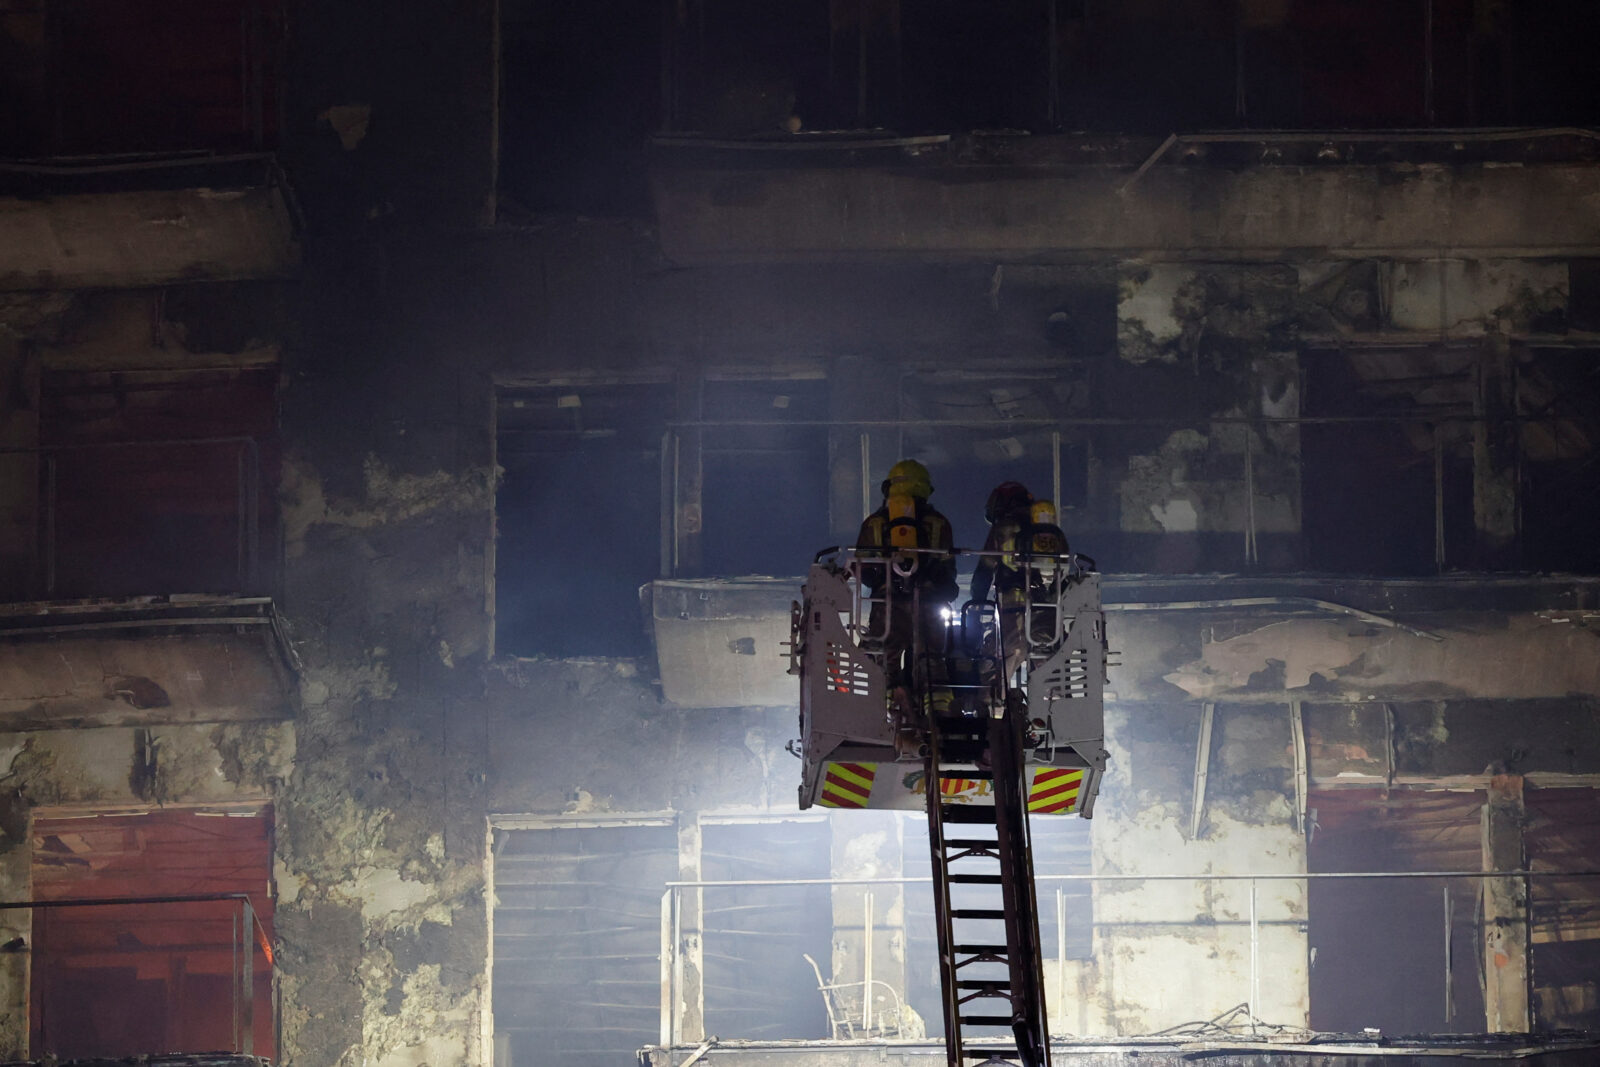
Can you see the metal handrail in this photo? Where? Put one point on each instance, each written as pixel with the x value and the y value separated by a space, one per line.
pixel 672 932
pixel 242 943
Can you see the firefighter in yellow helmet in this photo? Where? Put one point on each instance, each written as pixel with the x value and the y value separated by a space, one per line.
pixel 903 525
pixel 1047 547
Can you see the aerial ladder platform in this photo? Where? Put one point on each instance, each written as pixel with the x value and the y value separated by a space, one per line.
pixel 944 717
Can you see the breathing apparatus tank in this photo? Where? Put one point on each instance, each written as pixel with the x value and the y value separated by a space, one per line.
pixel 1045 539
pixel 903 529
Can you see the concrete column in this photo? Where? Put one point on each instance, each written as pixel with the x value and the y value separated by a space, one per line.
pixel 687 478
pixel 1505 911
pixel 868 844
pixel 691 1005
pixel 16 883
pixel 20 541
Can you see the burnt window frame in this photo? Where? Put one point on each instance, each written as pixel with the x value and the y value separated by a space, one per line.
pixel 565 394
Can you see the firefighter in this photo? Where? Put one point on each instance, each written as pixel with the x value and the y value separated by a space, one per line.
pixel 1001 570
pixel 906 548
pixel 1047 572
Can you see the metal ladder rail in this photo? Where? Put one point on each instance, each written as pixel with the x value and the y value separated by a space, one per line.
pixel 968 994
pixel 1007 861
pixel 949 1006
pixel 963 995
pixel 1008 857
pixel 1007 757
pixel 1029 1022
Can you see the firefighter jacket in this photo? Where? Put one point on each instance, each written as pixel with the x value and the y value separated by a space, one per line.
pixel 1016 539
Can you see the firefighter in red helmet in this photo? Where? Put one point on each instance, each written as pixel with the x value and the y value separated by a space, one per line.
pixel 1000 568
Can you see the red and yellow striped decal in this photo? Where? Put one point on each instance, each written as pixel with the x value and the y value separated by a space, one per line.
pixel 1054 791
pixel 847 785
pixel 955 786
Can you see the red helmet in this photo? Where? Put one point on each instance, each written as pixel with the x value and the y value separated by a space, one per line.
pixel 1008 500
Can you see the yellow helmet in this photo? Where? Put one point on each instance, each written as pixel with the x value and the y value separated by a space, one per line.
pixel 910 477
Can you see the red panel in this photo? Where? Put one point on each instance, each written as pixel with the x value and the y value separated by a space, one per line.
pixel 142 75
pixel 163 516
pixel 153 978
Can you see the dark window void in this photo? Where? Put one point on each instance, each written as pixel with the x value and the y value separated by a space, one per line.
pixel 744 67
pixel 748 69
pixel 975 433
pixel 1558 395
pixel 154 482
pixel 579 96
pixel 1382 954
pixel 757 982
pixel 120 981
pixel 81 77
pixel 1455 458
pixel 577 941
pixel 975 65
pixel 578 515
pixel 764 492
pixel 1390 494
pixel 1563 834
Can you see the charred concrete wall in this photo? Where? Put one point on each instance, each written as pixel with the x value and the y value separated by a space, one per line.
pixel 413 733
pixel 1171 949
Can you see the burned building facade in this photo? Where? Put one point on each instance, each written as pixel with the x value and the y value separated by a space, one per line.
pixel 416 418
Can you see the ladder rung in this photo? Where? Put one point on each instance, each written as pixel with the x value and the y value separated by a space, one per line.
pixel 956 843
pixel 977 913
pixel 976 879
pixel 999 1052
pixel 968 813
pixel 980 950
pixel 998 986
pixel 986 1020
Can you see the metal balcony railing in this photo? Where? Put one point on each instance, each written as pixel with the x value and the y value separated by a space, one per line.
pixel 246 929
pixel 685 941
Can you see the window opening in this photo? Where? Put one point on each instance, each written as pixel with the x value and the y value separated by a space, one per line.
pixel 1558 393
pixel 578 516
pixel 1382 477
pixel 1378 945
pixel 742 68
pixel 584 77
pixel 577 931
pixel 757 982
pixel 764 495
pixel 972 65
pixel 1563 834
pixel 974 433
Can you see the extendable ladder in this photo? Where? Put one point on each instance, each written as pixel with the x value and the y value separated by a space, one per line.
pixel 984 905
